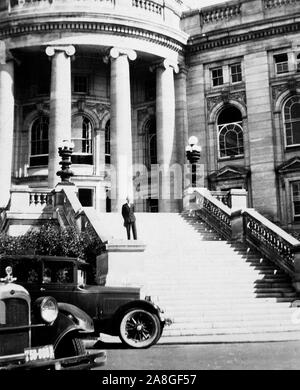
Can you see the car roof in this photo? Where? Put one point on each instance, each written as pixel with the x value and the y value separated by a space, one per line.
pixel 75 260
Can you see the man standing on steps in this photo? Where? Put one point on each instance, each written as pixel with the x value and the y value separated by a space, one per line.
pixel 129 218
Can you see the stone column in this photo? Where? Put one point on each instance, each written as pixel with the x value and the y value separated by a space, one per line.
pixel 6 125
pixel 181 121
pixel 165 129
pixel 120 126
pixel 60 105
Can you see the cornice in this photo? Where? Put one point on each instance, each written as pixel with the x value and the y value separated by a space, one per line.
pixel 208 42
pixel 7 31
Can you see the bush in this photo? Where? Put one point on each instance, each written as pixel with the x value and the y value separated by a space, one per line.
pixel 50 240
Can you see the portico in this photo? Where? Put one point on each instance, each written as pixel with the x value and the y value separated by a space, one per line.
pixel 119 109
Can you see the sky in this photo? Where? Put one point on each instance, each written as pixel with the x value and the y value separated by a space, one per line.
pixel 202 3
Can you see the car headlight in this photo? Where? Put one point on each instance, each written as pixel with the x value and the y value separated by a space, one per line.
pixel 48 309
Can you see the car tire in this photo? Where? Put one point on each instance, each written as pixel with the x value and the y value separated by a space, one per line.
pixel 69 346
pixel 139 328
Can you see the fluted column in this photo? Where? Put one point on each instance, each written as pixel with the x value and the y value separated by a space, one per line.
pixel 120 126
pixel 60 105
pixel 6 125
pixel 165 129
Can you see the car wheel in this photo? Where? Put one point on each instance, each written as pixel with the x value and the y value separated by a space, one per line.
pixel 69 346
pixel 139 328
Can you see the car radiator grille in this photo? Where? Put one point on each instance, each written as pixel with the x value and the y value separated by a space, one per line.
pixel 14 312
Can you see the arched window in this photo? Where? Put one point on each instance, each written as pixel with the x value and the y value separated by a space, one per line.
pixel 230 133
pixel 291 113
pixel 82 137
pixel 39 141
pixel 107 142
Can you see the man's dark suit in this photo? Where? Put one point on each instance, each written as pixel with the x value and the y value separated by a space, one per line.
pixel 129 219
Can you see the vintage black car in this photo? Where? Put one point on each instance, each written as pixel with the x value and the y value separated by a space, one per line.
pixel 117 311
pixel 39 335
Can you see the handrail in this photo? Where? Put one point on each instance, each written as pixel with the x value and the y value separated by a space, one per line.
pixel 214 212
pixel 270 240
pixel 256 230
pixel 81 218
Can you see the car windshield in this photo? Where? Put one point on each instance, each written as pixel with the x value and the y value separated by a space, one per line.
pixel 25 270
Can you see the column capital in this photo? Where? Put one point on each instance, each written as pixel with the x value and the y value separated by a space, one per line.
pixel 69 50
pixel 165 64
pixel 182 69
pixel 116 52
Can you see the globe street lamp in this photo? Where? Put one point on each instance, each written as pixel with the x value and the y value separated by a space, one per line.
pixel 65 152
pixel 193 153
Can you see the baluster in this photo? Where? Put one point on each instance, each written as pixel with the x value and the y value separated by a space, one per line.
pixel 31 198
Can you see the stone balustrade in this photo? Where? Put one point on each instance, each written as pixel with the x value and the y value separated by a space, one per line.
pixel 148 6
pixel 270 240
pixel 26 199
pixel 219 13
pixel 212 211
pixel 40 198
pixel 249 226
pixel 3 218
pixel 222 196
pixel 278 3
pixel 154 7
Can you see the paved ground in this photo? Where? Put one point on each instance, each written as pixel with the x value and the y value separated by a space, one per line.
pixel 236 356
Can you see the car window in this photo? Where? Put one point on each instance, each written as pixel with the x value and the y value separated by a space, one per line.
pixel 58 272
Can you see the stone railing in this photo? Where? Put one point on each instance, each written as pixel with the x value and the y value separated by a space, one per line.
pixel 270 240
pixel 148 6
pixel 249 226
pixel 278 3
pixel 221 13
pixel 40 199
pixel 27 199
pixel 70 211
pixel 152 6
pixel 3 218
pixel 212 211
pixel 222 196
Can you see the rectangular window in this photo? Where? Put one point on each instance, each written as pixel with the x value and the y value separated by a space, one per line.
pixel 236 73
pixel 86 196
pixel 217 76
pixel 296 199
pixel 81 84
pixel 281 63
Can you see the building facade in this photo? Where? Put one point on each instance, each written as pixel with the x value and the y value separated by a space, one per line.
pixel 129 81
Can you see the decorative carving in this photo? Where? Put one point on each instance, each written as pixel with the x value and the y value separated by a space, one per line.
pixel 291 85
pixel 68 50
pixel 101 110
pixel 225 97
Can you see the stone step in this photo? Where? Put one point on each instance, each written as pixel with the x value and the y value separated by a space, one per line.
pixel 230 330
pixel 267 336
pixel 181 316
pixel 232 323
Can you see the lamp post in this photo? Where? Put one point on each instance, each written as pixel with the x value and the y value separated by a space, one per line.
pixel 193 153
pixel 65 152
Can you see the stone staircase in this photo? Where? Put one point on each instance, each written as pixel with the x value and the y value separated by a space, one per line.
pixel 214 290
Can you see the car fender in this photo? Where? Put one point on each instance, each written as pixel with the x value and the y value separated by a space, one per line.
pixel 55 332
pixel 82 322
pixel 141 304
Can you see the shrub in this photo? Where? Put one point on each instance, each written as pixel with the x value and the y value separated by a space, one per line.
pixel 50 240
